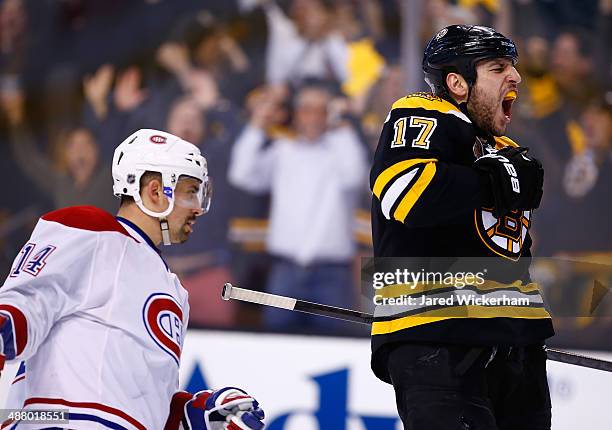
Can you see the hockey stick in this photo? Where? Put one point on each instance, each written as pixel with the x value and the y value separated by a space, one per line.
pixel 242 294
pixel 231 292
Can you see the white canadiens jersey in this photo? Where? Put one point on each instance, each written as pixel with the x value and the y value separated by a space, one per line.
pixel 99 321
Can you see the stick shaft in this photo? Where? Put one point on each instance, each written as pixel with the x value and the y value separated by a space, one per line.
pixel 578 360
pixel 266 299
pixel 242 294
pixel 333 312
pixel 231 292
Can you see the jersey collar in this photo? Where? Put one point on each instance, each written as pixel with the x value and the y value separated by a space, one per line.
pixel 463 108
pixel 133 229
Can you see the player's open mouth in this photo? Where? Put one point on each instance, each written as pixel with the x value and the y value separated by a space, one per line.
pixel 507 104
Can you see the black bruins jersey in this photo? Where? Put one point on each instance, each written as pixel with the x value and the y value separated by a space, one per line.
pixel 427 205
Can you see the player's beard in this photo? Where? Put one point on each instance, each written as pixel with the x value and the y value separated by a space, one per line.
pixel 181 234
pixel 482 109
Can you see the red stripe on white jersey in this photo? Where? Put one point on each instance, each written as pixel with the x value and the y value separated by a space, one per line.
pixel 85 405
pixel 20 378
pixel 86 218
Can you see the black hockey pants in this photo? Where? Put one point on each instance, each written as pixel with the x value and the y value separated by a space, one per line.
pixel 453 387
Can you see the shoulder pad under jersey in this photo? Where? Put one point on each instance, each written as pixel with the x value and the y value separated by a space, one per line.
pixel 429 102
pixel 86 218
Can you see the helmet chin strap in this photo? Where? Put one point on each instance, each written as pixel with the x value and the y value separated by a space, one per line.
pixel 165 231
pixel 162 216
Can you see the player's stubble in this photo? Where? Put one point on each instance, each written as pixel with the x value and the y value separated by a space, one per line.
pixel 181 233
pixel 482 108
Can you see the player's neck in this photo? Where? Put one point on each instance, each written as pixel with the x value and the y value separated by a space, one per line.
pixel 148 224
pixel 457 99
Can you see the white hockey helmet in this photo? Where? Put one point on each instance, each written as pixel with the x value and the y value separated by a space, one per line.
pixel 150 150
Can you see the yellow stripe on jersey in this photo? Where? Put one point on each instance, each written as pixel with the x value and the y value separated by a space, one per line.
pixel 503 141
pixel 390 172
pixel 415 192
pixel 429 102
pixel 469 311
pixel 398 290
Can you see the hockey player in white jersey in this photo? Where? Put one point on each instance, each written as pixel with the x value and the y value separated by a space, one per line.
pixel 96 317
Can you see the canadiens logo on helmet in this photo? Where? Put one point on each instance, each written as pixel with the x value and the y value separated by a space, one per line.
pixel 163 319
pixel 158 139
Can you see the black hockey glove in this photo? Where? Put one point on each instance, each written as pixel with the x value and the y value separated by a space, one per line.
pixel 516 179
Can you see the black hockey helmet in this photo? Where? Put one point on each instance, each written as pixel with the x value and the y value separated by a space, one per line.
pixel 457 48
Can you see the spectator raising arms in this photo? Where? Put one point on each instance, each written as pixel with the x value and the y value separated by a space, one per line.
pixel 314 179
pixel 304 45
pixel 82 178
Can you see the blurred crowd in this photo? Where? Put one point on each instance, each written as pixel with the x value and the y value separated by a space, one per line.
pixel 286 99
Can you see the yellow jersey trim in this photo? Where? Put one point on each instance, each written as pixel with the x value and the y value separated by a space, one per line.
pixel 504 141
pixel 399 290
pixel 415 192
pixel 387 327
pixel 429 102
pixel 390 172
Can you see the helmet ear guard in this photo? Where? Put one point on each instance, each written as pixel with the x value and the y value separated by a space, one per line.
pixel 457 49
pixel 168 186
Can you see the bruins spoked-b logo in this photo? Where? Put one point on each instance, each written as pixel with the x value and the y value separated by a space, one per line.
pixel 504 236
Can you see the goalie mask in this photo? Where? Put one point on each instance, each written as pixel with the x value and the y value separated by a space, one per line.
pixel 172 157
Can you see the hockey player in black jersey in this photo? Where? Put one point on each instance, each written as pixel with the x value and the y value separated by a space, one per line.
pixel 447 184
